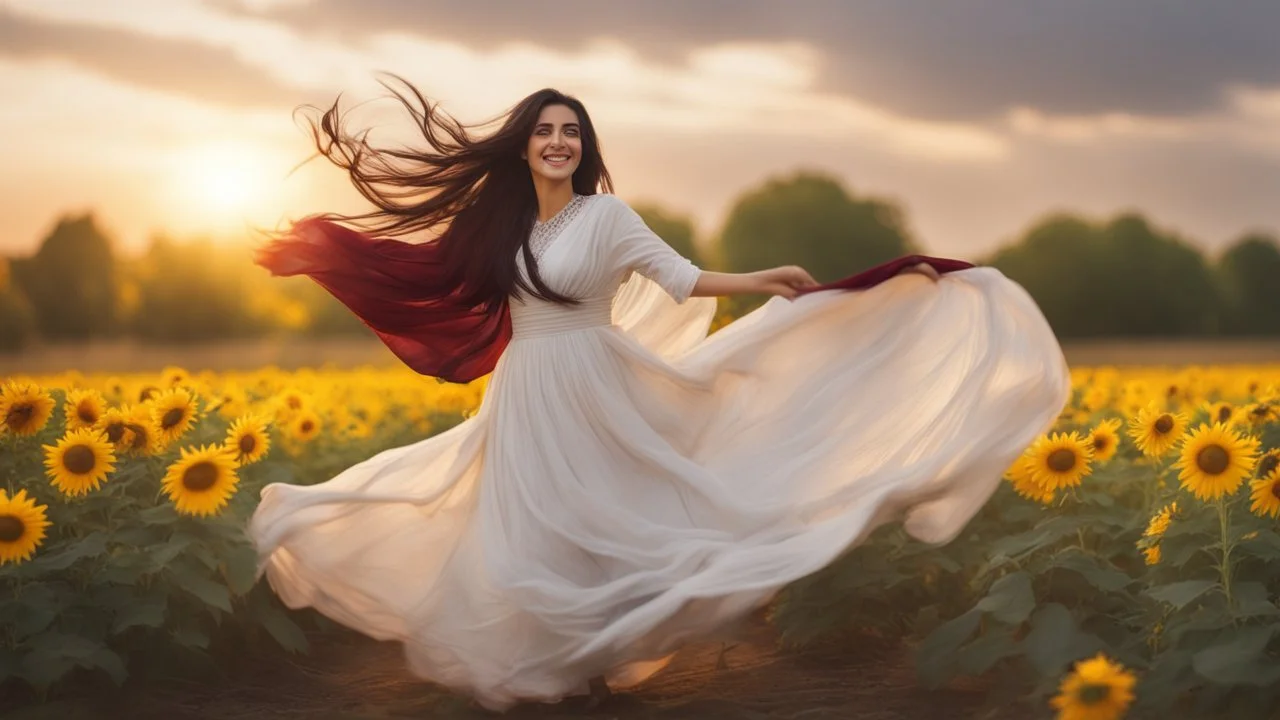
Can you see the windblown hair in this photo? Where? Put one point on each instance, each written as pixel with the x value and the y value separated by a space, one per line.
pixel 470 188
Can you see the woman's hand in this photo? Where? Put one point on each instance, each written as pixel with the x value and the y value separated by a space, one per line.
pixel 786 281
pixel 922 269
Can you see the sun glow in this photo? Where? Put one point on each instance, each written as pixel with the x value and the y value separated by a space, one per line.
pixel 226 186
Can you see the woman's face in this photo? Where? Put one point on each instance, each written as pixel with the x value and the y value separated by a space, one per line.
pixel 555 147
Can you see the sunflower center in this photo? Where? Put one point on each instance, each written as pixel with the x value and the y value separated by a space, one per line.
pixel 1094 694
pixel 1267 464
pixel 1275 490
pixel 79 459
pixel 247 444
pixel 307 426
pixel 1164 424
pixel 11 528
pixel 1213 460
pixel 171 418
pixel 19 415
pixel 147 393
pixel 115 431
pixel 86 414
pixel 1061 460
pixel 140 438
pixel 1101 442
pixel 1224 414
pixel 295 403
pixel 200 477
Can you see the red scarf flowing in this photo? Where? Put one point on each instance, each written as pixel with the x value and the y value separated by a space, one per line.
pixel 400 290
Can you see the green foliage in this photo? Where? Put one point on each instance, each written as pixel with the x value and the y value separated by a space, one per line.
pixel 810 220
pixel 1249 274
pixel 70 281
pixel 1121 278
pixel 17 317
pixel 676 230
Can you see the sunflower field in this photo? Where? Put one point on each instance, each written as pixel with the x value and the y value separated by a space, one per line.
pixel 123 502
pixel 1128 566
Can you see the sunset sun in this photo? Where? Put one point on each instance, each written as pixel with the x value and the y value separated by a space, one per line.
pixel 224 186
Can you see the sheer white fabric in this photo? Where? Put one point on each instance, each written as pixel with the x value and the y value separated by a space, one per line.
pixel 630 484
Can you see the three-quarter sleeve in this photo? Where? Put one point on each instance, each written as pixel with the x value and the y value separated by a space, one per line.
pixel 638 249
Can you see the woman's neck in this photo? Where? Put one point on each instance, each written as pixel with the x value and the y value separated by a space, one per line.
pixel 552 198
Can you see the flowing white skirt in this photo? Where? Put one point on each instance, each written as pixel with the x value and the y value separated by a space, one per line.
pixel 621 492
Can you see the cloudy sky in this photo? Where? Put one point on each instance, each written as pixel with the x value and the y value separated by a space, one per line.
pixel 977 116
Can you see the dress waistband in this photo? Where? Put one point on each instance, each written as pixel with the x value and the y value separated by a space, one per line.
pixel 539 318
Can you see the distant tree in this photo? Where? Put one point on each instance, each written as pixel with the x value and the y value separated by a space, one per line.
pixel 193 290
pixel 17 319
pixel 809 219
pixel 1248 274
pixel 1122 278
pixel 70 281
pixel 677 230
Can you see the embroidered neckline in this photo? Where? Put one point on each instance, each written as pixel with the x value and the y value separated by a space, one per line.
pixel 544 233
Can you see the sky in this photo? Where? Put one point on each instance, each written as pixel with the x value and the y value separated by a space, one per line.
pixel 977 117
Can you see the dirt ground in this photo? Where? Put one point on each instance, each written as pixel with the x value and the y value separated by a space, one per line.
pixel 351 678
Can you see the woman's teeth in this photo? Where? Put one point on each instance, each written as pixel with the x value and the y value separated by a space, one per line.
pixel 556 159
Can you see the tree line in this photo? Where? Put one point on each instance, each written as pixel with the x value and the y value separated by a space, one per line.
pixel 1119 277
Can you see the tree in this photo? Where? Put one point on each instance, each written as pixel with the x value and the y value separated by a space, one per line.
pixel 1121 278
pixel 17 319
pixel 1248 275
pixel 70 281
pixel 809 219
pixel 676 230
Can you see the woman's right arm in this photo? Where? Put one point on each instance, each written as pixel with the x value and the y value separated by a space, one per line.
pixel 786 281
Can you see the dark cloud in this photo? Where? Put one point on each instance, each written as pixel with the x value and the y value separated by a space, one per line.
pixel 956 59
pixel 180 67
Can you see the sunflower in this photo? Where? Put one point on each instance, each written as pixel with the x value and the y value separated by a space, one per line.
pixel 1214 460
pixel 84 408
pixel 1222 412
pixel 1156 431
pixel 247 438
pixel 1059 461
pixel 1104 440
pixel 1266 495
pixel 1151 554
pixel 1096 689
pixel 305 426
pixel 1260 413
pixel 79 462
pixel 202 480
pixel 148 392
pixel 1159 523
pixel 1019 475
pixel 173 376
pixel 22 526
pixel 114 426
pixel 173 412
pixel 25 408
pixel 142 436
pixel 1269 461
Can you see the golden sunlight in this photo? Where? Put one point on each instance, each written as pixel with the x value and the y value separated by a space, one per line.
pixel 225 186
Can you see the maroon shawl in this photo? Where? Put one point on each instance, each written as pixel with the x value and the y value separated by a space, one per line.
pixel 400 290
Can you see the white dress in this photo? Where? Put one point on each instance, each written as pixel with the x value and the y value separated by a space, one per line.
pixel 630 483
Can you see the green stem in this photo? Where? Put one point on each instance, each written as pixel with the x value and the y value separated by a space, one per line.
pixel 1225 567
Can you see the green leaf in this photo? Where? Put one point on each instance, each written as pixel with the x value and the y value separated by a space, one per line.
pixel 1251 600
pixel 1239 658
pixel 147 611
pixel 935 653
pixel 191 636
pixel 1098 572
pixel 91 545
pixel 213 594
pixel 1180 593
pixel 1048 643
pixel 284 630
pixel 1010 599
pixel 241 569
pixel 55 654
pixel 982 654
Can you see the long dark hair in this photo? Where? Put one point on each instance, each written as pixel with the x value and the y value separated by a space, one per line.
pixel 473 189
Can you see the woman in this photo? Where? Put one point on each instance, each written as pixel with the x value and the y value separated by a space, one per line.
pixel 629 483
